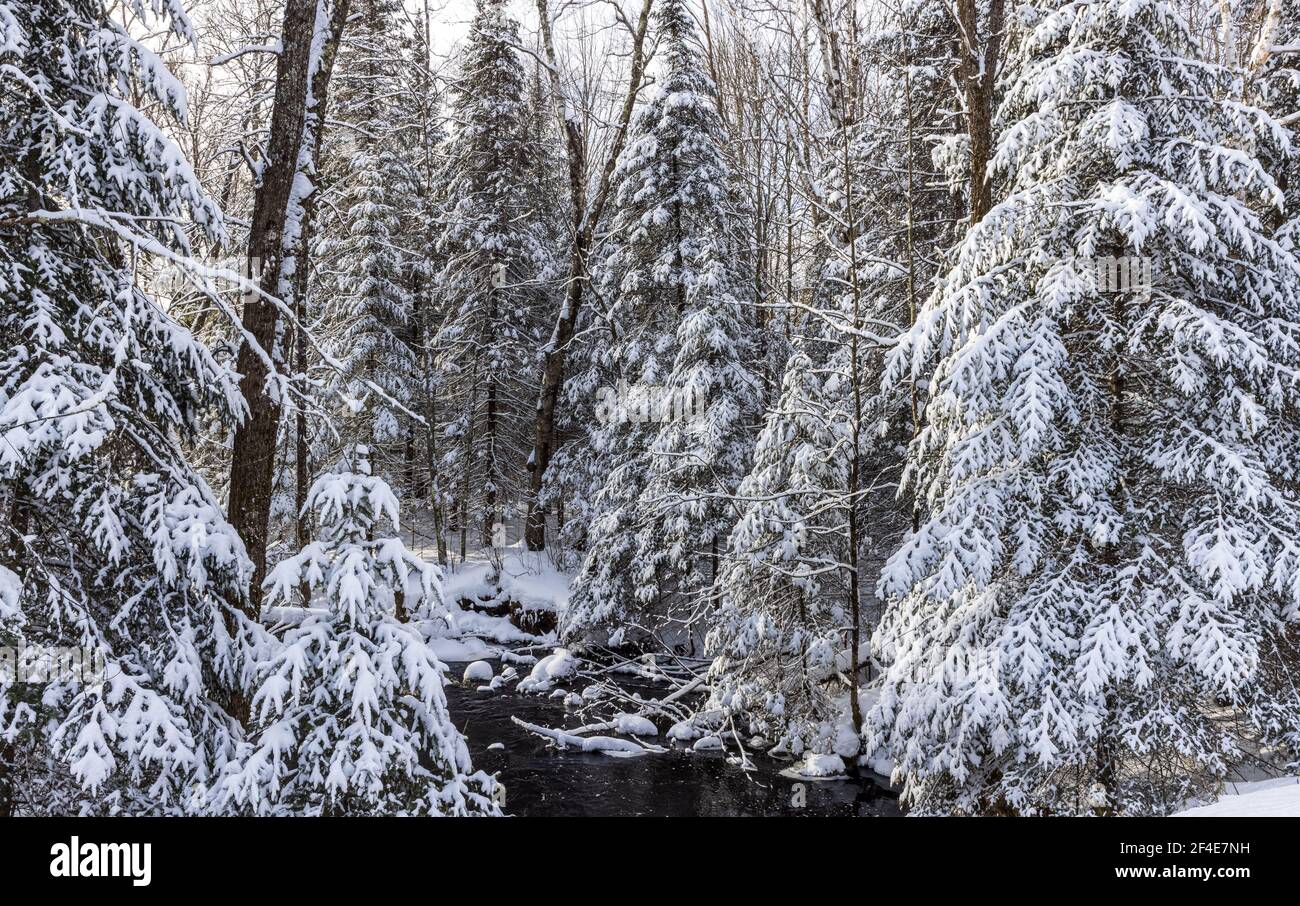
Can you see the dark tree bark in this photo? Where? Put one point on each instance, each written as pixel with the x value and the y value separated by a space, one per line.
pixel 586 217
pixel 977 72
pixel 297 123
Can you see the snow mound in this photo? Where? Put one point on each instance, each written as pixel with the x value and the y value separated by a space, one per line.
pixel 460 650
pixel 707 744
pixel 684 731
pixel 477 672
pixel 1279 798
pixel 555 666
pixel 817 767
pixel 635 725
pixel 878 764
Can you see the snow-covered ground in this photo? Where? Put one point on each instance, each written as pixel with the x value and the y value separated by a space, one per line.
pixel 526 576
pixel 1276 798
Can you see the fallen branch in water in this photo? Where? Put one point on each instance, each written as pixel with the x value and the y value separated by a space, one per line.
pixel 603 744
pixel 655 707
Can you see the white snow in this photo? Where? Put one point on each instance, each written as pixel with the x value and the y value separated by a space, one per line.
pixel 460 650
pixel 879 764
pixel 707 744
pixel 635 725
pixel 607 745
pixel 526 576
pixel 684 731
pixel 1277 798
pixel 477 672
pixel 11 588
pixel 817 767
pixel 555 666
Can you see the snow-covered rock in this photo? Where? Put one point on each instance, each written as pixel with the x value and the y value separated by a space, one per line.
pixel 635 725
pixel 817 767
pixel 878 764
pixel 684 731
pixel 707 744
pixel 477 672
pixel 847 742
pixel 555 666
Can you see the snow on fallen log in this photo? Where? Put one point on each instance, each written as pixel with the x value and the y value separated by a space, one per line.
pixel 636 722
pixel 606 745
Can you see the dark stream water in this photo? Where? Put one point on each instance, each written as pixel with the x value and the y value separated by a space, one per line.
pixel 541 780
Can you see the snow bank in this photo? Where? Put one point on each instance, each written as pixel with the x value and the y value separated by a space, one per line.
pixel 528 577
pixel 451 650
pixel 457 638
pixel 472 580
pixel 486 626
pixel 1277 798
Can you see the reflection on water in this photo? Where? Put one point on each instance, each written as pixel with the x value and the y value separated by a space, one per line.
pixel 541 780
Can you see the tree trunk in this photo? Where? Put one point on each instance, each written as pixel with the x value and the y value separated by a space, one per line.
pixel 302 475
pixel 856 464
pixel 435 492
pixel 276 243
pixel 977 72
pixel 586 217
pixel 490 516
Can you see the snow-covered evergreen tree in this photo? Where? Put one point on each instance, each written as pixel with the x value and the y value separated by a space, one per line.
pixel 109 540
pixel 698 458
pixel 1273 78
pixel 778 632
pixel 349 716
pixel 494 280
pixel 681 350
pixel 376 254
pixel 784 640
pixel 1095 611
